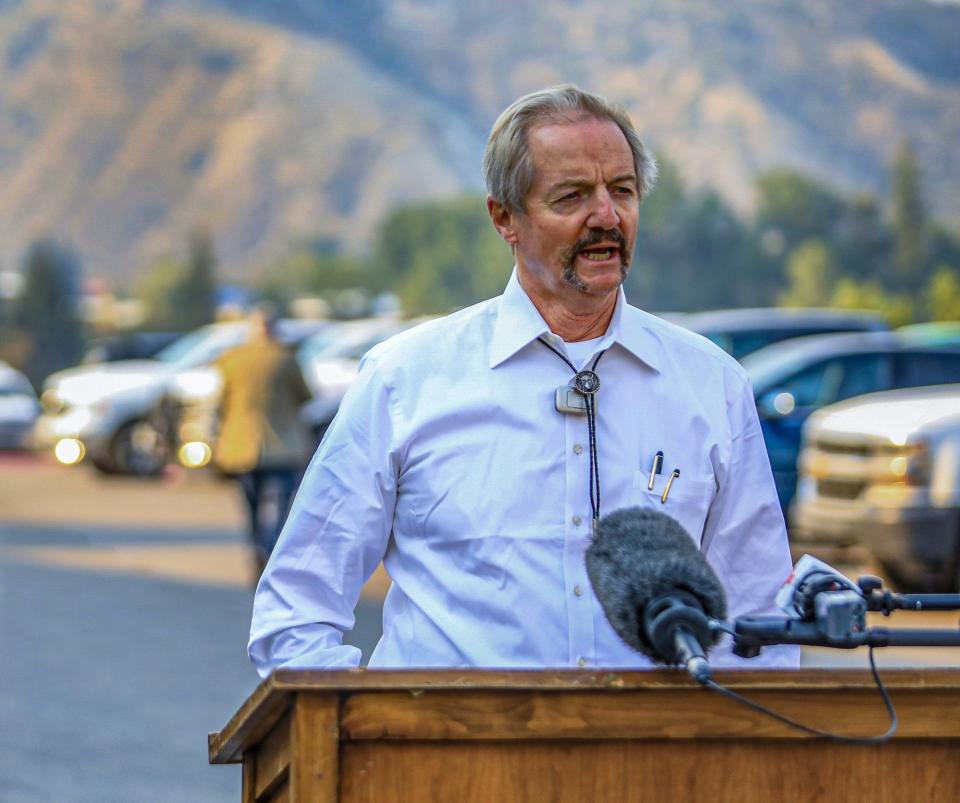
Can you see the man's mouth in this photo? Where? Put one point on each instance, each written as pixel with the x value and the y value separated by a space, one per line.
pixel 598 254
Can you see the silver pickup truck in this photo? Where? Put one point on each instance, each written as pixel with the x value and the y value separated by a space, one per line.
pixel 882 471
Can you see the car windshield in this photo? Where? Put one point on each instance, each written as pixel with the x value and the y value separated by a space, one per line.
pixel 740 344
pixel 346 340
pixel 770 365
pixel 201 346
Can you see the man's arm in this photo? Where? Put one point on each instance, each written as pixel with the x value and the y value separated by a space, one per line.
pixel 335 535
pixel 745 538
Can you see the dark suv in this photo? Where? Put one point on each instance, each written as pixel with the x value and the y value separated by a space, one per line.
pixel 793 378
pixel 740 332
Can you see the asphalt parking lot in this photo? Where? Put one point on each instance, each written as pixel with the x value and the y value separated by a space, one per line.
pixel 124 611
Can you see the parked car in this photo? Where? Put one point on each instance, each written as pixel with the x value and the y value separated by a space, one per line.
pixel 330 362
pixel 128 346
pixel 19 408
pixel 740 332
pixel 196 395
pixel 794 378
pixel 120 414
pixel 882 471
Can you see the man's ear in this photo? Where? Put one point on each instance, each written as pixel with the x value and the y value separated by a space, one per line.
pixel 504 221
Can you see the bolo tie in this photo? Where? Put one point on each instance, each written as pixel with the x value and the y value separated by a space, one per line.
pixel 586 383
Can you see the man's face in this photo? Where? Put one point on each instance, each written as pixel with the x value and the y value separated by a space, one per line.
pixel 576 236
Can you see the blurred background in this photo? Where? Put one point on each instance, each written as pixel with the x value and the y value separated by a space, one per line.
pixel 165 166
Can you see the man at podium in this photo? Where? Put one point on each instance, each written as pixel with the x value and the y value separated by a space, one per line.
pixel 474 453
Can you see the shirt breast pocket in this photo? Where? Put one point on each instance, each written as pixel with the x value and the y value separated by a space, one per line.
pixel 688 500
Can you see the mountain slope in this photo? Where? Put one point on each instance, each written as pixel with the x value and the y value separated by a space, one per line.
pixel 127 123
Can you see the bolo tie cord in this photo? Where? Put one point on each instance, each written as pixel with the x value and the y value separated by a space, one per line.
pixel 591 432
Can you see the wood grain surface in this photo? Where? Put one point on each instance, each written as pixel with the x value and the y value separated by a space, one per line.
pixel 719 771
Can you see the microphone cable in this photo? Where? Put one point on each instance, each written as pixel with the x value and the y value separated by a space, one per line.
pixel 862 740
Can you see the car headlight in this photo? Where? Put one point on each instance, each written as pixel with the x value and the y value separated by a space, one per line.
pixel 910 466
pixel 918 464
pixel 51 401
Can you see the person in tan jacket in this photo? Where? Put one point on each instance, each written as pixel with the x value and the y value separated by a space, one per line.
pixel 262 442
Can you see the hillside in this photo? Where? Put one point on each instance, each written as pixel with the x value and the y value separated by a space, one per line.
pixel 128 123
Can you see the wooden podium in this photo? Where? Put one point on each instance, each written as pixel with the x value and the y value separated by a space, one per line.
pixel 478 736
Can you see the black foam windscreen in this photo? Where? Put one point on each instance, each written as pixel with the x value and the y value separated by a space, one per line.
pixel 639 554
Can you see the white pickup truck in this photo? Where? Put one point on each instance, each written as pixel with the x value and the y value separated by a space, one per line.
pixel 882 471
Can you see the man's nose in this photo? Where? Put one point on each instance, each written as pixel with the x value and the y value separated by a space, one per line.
pixel 603 215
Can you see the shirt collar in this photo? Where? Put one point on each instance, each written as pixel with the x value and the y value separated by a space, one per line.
pixel 519 323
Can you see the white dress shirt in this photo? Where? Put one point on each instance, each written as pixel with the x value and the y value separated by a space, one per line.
pixel 449 461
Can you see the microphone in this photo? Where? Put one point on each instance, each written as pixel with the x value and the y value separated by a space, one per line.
pixel 657 591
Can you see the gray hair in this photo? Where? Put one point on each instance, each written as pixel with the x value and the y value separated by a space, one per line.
pixel 507 164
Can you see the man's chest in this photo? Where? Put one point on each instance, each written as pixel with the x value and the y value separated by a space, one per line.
pixel 497 457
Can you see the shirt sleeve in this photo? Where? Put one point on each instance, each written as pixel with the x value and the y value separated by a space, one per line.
pixel 336 534
pixel 745 539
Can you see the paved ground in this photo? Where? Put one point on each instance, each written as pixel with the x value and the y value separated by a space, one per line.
pixel 124 610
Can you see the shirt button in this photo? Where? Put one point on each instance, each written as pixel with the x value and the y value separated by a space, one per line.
pixel 581 661
pixel 578 591
pixel 577 521
pixel 577 449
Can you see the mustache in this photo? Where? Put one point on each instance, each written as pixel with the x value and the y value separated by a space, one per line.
pixel 597 236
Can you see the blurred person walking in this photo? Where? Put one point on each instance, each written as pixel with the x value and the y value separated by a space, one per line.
pixel 262 442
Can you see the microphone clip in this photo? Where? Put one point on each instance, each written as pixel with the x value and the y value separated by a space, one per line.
pixel 668 613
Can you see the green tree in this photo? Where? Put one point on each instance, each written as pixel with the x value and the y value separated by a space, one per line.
pixel 861 239
pixel 909 219
pixel 156 290
pixel 792 207
pixel 693 252
pixel 897 308
pixel 441 255
pixel 313 271
pixel 942 295
pixel 46 317
pixel 812 275
pixel 180 295
pixel 944 246
pixel 195 297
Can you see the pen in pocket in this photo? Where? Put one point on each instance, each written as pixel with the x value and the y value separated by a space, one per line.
pixel 655 469
pixel 666 491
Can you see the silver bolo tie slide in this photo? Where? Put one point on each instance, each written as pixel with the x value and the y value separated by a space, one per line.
pixel 572 398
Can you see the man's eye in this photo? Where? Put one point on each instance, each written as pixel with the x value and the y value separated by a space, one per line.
pixel 570 196
pixel 624 190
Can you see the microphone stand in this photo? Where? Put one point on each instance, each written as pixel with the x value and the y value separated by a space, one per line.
pixel 885 601
pixel 751 633
pixel 839 621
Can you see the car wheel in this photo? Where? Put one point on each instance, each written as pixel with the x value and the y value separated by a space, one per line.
pixel 103 464
pixel 139 448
